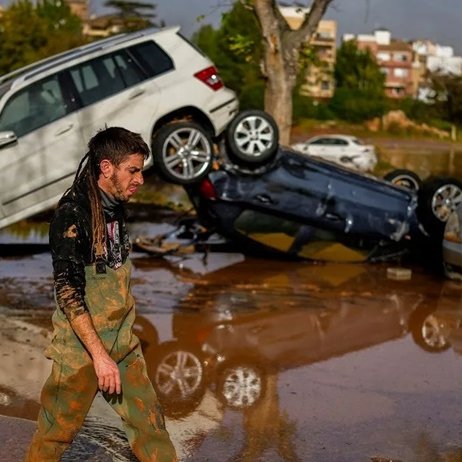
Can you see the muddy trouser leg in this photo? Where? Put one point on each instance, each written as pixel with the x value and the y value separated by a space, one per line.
pixel 66 399
pixel 141 413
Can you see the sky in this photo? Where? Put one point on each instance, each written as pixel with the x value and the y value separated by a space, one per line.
pixel 437 20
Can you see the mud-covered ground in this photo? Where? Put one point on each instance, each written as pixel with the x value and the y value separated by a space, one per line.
pixel 263 360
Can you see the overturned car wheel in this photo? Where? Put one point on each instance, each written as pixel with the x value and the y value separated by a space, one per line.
pixel 438 198
pixel 404 178
pixel 183 152
pixel 252 138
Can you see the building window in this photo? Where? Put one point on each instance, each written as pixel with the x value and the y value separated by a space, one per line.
pixel 325 85
pixel 400 72
pixel 324 35
pixel 401 57
pixel 382 56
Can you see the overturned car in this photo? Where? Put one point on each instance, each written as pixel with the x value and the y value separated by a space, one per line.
pixel 271 199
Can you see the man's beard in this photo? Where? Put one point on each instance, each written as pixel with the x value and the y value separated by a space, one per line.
pixel 118 190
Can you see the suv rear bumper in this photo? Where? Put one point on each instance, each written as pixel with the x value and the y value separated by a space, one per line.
pixel 223 111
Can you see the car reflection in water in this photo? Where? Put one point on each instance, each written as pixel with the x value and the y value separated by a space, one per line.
pixel 438 327
pixel 234 339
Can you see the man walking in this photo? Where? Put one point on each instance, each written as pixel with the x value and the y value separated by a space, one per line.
pixel 93 346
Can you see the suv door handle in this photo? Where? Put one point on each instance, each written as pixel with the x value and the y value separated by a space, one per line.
pixel 64 130
pixel 137 93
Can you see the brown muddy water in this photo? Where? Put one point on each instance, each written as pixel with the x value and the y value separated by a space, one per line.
pixel 432 158
pixel 263 360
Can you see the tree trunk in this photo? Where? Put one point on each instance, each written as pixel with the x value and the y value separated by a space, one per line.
pixel 278 94
pixel 279 84
pixel 281 52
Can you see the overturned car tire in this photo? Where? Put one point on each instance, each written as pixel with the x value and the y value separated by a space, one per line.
pixel 438 198
pixel 252 139
pixel 404 178
pixel 182 152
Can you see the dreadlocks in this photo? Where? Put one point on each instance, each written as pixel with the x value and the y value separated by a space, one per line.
pixel 114 144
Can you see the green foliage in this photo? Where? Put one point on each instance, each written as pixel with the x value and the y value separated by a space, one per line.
pixel 252 96
pixel 447 96
pixel 305 107
pixel 134 15
pixel 359 93
pixel 29 32
pixel 357 70
pixel 414 109
pixel 308 57
pixel 206 38
pixel 237 51
pixel 356 105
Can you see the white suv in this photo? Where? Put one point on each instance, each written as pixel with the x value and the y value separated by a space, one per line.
pixel 153 82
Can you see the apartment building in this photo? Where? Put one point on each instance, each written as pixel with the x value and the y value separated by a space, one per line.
pixel 395 58
pixel 79 8
pixel 95 26
pixel 430 57
pixel 320 83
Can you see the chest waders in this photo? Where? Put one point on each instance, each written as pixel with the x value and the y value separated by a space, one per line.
pixel 69 391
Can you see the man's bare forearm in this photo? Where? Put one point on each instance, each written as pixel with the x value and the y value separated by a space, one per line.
pixel 85 330
pixel 106 369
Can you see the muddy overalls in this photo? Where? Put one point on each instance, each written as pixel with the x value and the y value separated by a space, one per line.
pixel 69 391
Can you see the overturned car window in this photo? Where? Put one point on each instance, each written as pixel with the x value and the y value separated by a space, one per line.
pixel 295 238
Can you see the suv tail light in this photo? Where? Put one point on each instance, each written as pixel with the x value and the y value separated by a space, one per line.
pixel 207 190
pixel 210 77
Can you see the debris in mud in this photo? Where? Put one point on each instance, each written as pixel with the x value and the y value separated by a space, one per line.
pixel 399 274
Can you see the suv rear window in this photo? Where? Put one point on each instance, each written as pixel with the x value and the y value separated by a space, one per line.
pixel 151 58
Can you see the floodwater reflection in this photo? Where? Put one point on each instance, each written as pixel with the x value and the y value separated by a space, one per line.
pixel 438 327
pixel 232 336
pixel 271 360
pixel 292 347
pixel 425 159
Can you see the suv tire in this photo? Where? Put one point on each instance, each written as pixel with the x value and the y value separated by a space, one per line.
pixel 183 152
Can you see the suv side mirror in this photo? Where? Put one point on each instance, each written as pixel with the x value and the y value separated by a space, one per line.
pixel 7 138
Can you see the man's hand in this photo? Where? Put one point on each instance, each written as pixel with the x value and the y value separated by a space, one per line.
pixel 106 369
pixel 108 374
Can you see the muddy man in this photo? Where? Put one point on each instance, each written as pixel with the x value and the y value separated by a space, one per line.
pixel 93 347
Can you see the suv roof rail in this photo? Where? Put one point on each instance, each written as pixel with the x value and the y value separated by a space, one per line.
pixel 37 67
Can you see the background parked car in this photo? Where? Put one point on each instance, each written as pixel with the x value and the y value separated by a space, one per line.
pixel 153 82
pixel 345 150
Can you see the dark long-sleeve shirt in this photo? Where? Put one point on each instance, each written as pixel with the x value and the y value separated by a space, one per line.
pixel 71 248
